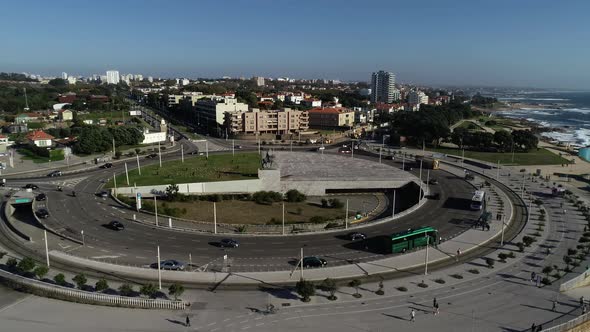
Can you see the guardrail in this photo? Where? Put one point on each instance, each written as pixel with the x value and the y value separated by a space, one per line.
pixel 63 293
pixel 569 324
pixel 575 282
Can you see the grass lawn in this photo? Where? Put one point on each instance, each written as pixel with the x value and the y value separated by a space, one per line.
pixel 470 126
pixel 244 166
pixel 535 157
pixel 29 155
pixel 249 212
pixel 95 116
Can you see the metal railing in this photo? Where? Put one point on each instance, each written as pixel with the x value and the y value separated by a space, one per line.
pixel 569 324
pixel 573 283
pixel 54 291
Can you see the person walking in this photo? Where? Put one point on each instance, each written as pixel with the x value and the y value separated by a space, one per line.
pixel 458 254
pixel 434 303
pixel 413 316
pixel 436 309
pixel 554 307
pixel 533 276
pixel 584 309
pixel 533 328
pixel 581 301
pixel 188 321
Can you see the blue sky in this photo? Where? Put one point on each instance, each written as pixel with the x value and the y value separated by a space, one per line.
pixel 502 42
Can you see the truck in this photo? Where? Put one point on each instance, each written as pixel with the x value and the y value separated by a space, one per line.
pixel 427 162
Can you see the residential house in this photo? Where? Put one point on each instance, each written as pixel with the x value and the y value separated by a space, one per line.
pixel 3 143
pixel 331 117
pixel 66 115
pixel 40 138
pixel 28 117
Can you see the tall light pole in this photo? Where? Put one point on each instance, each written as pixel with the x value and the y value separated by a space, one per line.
pixel 113 148
pixel 283 218
pixel 428 181
pixel 502 239
pixel 46 247
pixel 393 206
pixel 156 209
pixel 115 183
pixel 380 154
pixel 182 153
pixel 233 148
pixel 159 270
pixel 426 255
pixel 160 154
pixel 138 165
pixel 346 217
pixel 214 218
pixel 82 233
pixel 420 189
pixel 498 171
pixel 207 149
pixel 126 173
pixel 301 263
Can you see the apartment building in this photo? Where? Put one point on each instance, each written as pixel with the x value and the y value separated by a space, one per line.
pixel 257 121
pixel 331 117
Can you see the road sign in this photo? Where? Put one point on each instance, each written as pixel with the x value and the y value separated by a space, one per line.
pixel 23 200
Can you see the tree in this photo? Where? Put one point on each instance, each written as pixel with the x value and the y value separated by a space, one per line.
pixel 126 290
pixel 355 283
pixel 176 290
pixel 335 203
pixel 305 289
pixel 101 285
pixel 547 269
pixel 172 191
pixel 567 260
pixel 60 279
pixel 329 285
pixel 149 290
pixel 294 195
pixel 503 140
pixel 41 271
pixel 80 280
pixel 524 140
pixel 58 82
pixel 490 262
pixel 26 264
pixel 528 240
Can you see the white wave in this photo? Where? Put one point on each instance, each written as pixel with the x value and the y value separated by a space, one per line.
pixel 536 99
pixel 578 110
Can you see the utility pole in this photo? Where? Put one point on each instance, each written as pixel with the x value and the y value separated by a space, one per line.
pixel 159 271
pixel 283 218
pixel 301 263
pixel 156 209
pixel 420 189
pixel 127 173
pixel 138 165
pixel 426 256
pixel 214 218
pixel 393 206
pixel 46 247
pixel 207 149
pixel 113 148
pixel 380 154
pixel 115 183
pixel 428 181
pixel 182 153
pixel 346 218
pixel 160 154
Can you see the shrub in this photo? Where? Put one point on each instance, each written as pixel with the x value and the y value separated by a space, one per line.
pixel 474 271
pixel 101 285
pixel 332 225
pixel 537 234
pixel 422 284
pixel 457 276
pixel 60 279
pixel 547 269
pixel 355 283
pixel 546 281
pixel 502 256
pixel 241 228
pixel 439 281
pixel 402 289
pixel 11 263
pixel 80 280
pixel 126 289
pixel 2 254
pixel 527 240
pixel 305 289
pixel 176 290
pixel 584 240
pixel 511 255
pixel 329 285
pixel 520 246
pixel 149 290
pixel 490 262
pixel 294 196
pixel 335 203
pixel 571 252
pixel 41 271
pixel 267 197
pixel 26 264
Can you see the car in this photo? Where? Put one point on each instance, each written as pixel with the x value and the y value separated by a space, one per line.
pixel 433 181
pixel 55 173
pixel 238 146
pixel 170 264
pixel 313 261
pixel 41 197
pixel 151 156
pixel 116 225
pixel 435 196
pixel 42 213
pixel 107 165
pixel 345 150
pixel 356 236
pixel 103 194
pixel 31 186
pixel 229 243
pixel 194 152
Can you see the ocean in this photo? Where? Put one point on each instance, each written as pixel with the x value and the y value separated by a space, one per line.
pixel 569 111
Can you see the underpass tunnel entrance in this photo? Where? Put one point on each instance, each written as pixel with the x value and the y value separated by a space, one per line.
pixel 20 208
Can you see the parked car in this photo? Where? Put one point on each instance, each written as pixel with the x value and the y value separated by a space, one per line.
pixel 42 213
pixel 169 264
pixel 41 197
pixel 313 261
pixel 55 173
pixel 107 165
pixel 31 186
pixel 356 236
pixel 116 225
pixel 229 243
pixel 151 156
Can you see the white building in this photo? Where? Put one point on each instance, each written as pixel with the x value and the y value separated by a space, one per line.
pixel 113 77
pixel 295 98
pixel 382 86
pixel 138 77
pixel 153 137
pixel 259 81
pixel 417 98
pixel 150 79
pixel 64 75
pixel 185 81
pixel 72 80
pixel 214 109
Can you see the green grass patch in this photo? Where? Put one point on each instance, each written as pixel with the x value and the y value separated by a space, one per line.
pixel 470 126
pixel 534 157
pixel 36 125
pixel 55 155
pixel 95 116
pixel 243 166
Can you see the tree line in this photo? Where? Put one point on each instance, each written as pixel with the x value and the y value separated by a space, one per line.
pixel 93 139
pixel 500 141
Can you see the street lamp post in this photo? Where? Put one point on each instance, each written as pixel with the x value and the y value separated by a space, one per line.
pixel 426 256
pixel 83 242
pixel 160 154
pixel 214 218
pixel 283 218
pixel 346 217
pixel 138 165
pixel 498 171
pixel 159 270
pixel 126 173
pixel 46 247
pixel 301 263
pixel 182 153
pixel 156 209
pixel 502 239
pixel 393 206
pixel 380 154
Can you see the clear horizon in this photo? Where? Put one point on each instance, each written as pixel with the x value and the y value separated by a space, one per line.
pixel 537 44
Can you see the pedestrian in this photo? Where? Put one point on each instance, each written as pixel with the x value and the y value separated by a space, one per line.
pixel 413 316
pixel 458 253
pixel 436 309
pixel 584 309
pixel 533 275
pixel 488 227
pixel 538 280
pixel 533 328
pixel 554 307
pixel 581 301
pixel 188 321
pixel 434 302
pixel 539 328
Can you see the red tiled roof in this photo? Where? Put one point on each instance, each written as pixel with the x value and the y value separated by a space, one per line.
pixel 39 135
pixel 2 136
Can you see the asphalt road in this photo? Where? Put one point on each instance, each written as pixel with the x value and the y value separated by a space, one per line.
pixel 136 245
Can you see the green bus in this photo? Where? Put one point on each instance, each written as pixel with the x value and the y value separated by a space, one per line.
pixel 413 238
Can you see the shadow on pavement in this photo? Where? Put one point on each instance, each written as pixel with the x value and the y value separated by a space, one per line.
pixel 174 321
pixel 280 292
pixel 394 316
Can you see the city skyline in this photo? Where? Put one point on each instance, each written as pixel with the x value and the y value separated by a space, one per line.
pixel 464 44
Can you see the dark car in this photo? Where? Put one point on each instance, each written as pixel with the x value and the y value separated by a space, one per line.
pixel 31 186
pixel 55 173
pixel 356 236
pixel 107 165
pixel 313 261
pixel 238 146
pixel 103 194
pixel 169 264
pixel 42 213
pixel 115 225
pixel 432 181
pixel 194 152
pixel 41 197
pixel 151 156
pixel 229 243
